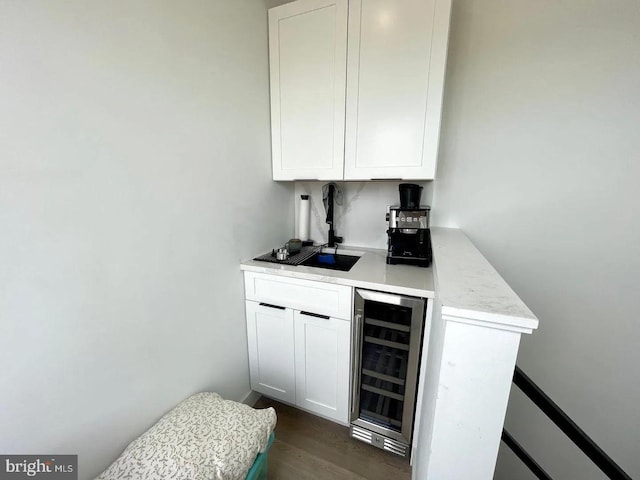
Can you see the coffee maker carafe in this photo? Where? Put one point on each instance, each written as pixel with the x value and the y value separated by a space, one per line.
pixel 409 238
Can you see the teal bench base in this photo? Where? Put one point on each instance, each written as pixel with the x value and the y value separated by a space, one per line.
pixel 258 470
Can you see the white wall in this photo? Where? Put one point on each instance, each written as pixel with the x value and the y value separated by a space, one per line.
pixel 360 220
pixel 134 175
pixel 539 165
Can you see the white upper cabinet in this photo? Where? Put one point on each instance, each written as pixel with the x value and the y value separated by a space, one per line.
pixel 395 74
pixel 367 113
pixel 307 57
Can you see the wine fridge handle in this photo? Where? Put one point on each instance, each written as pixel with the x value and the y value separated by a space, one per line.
pixel 357 354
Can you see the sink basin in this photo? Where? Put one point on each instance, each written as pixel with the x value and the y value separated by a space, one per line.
pixel 332 261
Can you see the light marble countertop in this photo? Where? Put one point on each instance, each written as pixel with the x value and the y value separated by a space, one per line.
pixel 470 288
pixel 370 272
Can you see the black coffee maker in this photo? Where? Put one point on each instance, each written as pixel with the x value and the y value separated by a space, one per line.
pixel 409 236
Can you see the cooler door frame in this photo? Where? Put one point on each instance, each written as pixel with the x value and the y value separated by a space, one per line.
pixel 417 306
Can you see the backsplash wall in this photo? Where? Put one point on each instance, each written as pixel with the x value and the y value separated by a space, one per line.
pixel 360 220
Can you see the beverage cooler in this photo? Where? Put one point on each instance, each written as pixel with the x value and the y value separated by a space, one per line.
pixel 387 332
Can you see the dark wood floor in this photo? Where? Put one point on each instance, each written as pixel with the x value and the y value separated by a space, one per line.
pixel 312 448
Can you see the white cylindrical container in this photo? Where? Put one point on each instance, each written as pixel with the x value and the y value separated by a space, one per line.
pixel 304 210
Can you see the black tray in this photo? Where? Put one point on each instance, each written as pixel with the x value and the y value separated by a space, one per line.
pixel 296 259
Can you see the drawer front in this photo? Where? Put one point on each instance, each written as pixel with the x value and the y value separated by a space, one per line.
pixel 315 297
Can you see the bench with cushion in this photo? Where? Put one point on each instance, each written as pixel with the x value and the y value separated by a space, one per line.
pixel 203 438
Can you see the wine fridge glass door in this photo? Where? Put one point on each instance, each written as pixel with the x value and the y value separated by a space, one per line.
pixel 388 332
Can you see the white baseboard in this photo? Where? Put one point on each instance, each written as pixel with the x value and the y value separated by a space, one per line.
pixel 250 398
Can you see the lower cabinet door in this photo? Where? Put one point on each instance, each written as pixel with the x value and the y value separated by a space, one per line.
pixel 271 353
pixel 322 356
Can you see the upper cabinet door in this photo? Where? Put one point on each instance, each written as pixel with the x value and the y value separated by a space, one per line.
pixel 307 57
pixel 396 62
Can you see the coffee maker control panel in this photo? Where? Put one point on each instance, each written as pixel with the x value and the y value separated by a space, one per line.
pixel 403 218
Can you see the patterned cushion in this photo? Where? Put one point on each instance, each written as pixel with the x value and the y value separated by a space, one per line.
pixel 204 437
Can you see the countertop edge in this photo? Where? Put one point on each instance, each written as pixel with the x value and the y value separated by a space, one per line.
pixel 470 288
pixel 492 319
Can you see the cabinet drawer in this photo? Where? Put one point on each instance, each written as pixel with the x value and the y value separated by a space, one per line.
pixel 316 297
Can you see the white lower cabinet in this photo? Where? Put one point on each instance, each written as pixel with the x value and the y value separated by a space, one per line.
pixel 271 352
pixel 299 341
pixel 322 354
